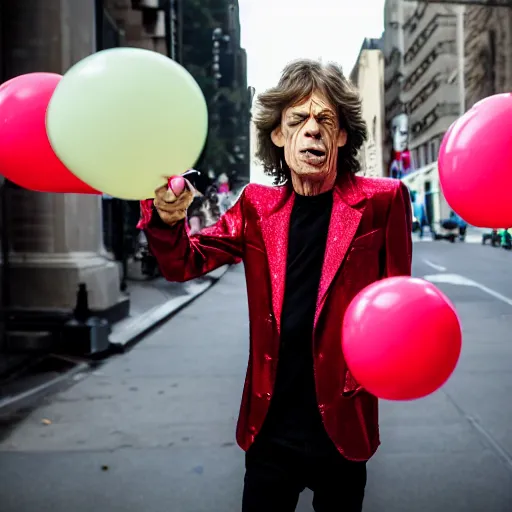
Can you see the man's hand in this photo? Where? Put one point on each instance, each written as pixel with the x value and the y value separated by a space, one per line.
pixel 171 207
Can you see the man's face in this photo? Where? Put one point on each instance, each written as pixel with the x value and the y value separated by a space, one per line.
pixel 310 135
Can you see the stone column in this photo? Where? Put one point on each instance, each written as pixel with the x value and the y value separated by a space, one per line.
pixel 55 239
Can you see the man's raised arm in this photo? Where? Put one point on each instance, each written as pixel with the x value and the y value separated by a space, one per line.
pixel 181 256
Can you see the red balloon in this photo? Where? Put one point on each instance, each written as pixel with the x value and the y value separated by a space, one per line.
pixel 401 338
pixel 442 148
pixel 26 157
pixel 475 163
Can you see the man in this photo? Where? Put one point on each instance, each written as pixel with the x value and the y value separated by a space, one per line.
pixel 309 246
pixel 420 213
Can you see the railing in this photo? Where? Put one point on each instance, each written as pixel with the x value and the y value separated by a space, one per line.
pixel 425 93
pixel 442 48
pixel 439 111
pixel 439 20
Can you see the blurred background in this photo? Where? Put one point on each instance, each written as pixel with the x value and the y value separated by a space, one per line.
pixel 52 243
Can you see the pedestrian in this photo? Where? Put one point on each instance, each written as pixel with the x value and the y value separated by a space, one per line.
pixel 308 247
pixel 461 224
pixel 420 214
pixel 195 215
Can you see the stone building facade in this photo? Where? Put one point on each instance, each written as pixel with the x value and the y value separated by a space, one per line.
pixel 430 89
pixel 487 52
pixel 395 14
pixel 368 76
pixel 56 240
pixel 421 74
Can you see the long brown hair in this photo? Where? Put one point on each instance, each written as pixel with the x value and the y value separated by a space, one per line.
pixel 298 81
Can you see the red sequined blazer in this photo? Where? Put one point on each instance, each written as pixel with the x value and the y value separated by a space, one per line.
pixel 369 239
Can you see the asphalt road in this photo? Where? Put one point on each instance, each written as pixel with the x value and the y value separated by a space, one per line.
pixel 153 430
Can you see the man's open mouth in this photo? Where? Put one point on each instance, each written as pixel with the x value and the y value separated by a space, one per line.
pixel 313 156
pixel 315 152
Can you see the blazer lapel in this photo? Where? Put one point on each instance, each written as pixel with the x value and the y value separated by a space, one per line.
pixel 275 228
pixel 342 228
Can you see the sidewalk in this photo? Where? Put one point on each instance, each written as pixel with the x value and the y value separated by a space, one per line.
pixel 154 301
pixel 153 430
pixel 151 303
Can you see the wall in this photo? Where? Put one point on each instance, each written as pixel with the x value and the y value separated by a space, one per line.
pixel 396 12
pixel 257 174
pixel 55 239
pixel 430 89
pixel 488 52
pixel 370 82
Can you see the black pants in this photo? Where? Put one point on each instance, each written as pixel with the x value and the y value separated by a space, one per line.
pixel 276 475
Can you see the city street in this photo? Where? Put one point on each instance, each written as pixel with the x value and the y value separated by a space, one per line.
pixel 153 430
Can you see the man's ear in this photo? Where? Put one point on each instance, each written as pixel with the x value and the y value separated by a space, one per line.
pixel 278 137
pixel 342 138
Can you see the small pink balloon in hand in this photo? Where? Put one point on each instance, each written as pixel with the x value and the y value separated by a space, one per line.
pixel 177 184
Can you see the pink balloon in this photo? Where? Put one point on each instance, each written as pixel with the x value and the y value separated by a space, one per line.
pixel 26 157
pixel 177 184
pixel 475 163
pixel 401 338
pixel 442 148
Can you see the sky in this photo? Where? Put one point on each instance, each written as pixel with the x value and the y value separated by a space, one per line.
pixel 275 32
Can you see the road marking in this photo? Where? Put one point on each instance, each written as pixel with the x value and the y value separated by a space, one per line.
pixel 458 280
pixel 470 239
pixel 434 266
pixel 482 431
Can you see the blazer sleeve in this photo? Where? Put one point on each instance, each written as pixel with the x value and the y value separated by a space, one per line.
pixel 399 234
pixel 181 256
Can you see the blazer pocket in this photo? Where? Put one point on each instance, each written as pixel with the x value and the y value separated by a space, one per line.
pixel 372 240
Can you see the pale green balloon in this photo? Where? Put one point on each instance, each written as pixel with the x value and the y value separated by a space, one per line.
pixel 123 120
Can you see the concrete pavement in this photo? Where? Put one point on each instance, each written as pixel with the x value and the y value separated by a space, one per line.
pixel 153 429
pixel 154 301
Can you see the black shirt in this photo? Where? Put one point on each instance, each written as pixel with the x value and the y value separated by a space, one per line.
pixel 294 418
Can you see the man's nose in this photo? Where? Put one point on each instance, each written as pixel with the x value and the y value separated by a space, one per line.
pixel 312 129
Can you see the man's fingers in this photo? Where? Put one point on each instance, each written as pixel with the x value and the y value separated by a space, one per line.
pixel 181 202
pixel 170 207
pixel 169 196
pixel 166 190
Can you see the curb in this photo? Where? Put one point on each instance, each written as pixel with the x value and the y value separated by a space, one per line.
pixel 121 339
pixel 29 398
pixel 132 330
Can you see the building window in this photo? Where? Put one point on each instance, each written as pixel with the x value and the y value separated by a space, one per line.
pixel 421 155
pixel 434 149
